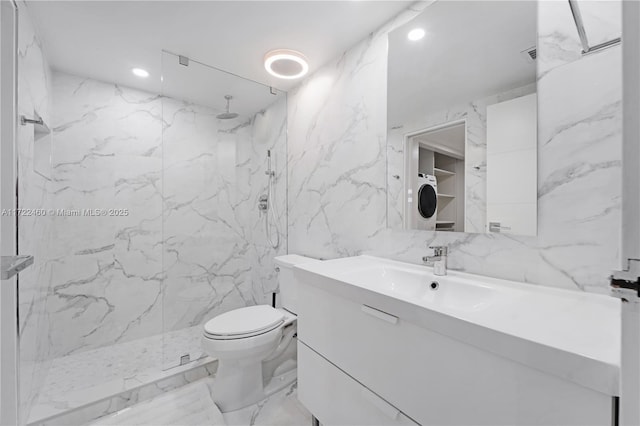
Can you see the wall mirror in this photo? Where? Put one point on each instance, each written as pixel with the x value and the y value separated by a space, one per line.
pixel 462 119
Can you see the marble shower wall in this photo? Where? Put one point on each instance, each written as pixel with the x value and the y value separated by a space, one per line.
pixel 184 251
pixel 269 132
pixel 338 169
pixel 475 114
pixel 107 269
pixel 34 231
pixel 216 256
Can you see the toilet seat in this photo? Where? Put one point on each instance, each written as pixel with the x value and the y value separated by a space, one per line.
pixel 243 323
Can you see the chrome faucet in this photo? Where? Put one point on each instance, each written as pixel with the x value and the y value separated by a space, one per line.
pixel 438 260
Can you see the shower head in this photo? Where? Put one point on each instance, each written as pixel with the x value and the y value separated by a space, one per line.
pixel 227 115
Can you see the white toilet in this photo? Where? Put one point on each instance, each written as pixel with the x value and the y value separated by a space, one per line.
pixel 255 346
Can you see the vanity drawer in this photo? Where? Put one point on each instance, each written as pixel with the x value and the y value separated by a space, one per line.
pixel 334 398
pixel 428 375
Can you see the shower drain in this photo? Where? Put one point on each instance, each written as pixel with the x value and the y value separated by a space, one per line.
pixel 184 359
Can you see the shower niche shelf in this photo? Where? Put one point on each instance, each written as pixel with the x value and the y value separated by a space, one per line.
pixel 12 265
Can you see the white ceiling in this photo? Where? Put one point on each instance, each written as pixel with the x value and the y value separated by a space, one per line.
pixel 105 39
pixel 472 49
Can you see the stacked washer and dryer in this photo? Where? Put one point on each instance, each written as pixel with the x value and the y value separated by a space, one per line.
pixel 427 202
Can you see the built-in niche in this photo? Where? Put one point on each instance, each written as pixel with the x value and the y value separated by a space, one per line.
pixel 437 161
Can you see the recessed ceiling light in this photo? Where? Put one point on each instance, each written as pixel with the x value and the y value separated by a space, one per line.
pixel 140 72
pixel 285 63
pixel 416 34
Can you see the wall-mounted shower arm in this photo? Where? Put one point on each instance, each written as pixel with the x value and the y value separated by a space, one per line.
pixel 24 121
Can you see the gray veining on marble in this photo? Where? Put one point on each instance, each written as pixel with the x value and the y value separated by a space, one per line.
pixel 114 280
pixel 338 169
pixel 192 244
pixel 34 192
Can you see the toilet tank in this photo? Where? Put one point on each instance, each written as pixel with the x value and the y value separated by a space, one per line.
pixel 286 281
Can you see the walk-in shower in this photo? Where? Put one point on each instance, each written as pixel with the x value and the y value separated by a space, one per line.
pixel 115 307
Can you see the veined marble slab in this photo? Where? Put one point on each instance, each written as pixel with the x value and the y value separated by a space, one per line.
pixel 35 233
pixel 338 165
pixel 193 244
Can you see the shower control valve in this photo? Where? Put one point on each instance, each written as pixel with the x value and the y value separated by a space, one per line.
pixel 263 203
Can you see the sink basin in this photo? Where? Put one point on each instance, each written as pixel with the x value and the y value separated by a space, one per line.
pixel 420 285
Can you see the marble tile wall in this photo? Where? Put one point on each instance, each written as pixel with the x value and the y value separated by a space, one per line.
pixel 216 257
pixel 269 132
pixel 107 269
pixel 475 114
pixel 338 170
pixel 34 231
pixel 192 243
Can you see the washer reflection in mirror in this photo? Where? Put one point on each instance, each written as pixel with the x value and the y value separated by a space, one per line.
pixel 427 202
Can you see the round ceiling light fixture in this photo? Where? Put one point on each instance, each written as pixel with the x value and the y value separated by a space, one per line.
pixel 139 72
pixel 416 34
pixel 286 63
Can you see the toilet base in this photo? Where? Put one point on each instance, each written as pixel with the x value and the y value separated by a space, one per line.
pixel 236 388
pixel 239 384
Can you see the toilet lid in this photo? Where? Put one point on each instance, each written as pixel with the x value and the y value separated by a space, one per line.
pixel 245 321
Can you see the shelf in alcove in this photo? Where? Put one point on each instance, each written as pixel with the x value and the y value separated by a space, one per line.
pixel 446 196
pixel 442 173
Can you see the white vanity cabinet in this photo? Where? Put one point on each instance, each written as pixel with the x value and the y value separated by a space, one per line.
pixel 338 399
pixel 365 361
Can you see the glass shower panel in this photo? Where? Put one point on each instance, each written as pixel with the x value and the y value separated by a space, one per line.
pixel 218 130
pixel 33 219
pixel 90 308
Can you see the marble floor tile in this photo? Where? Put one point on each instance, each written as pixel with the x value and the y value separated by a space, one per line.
pixel 192 405
pixel 189 405
pixel 280 409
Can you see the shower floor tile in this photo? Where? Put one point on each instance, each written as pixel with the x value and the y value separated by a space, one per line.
pixel 80 379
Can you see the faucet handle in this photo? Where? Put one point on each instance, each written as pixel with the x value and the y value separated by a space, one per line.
pixel 439 250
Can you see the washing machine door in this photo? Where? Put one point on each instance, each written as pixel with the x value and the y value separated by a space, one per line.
pixel 427 201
